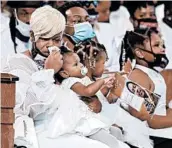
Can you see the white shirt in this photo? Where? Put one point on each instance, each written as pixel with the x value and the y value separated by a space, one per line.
pixel 105 35
pixel 166 32
pixel 7 45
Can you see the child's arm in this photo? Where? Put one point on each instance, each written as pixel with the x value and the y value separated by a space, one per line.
pixel 89 90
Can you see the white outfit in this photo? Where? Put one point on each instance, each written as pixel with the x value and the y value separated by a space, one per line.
pixel 160 88
pixel 106 36
pixel 45 102
pixel 97 125
pixel 159 12
pixel 7 45
pixel 120 21
pixel 166 32
pixel 92 122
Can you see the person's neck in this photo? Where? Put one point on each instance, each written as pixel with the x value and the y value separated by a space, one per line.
pixel 89 74
pixel 142 63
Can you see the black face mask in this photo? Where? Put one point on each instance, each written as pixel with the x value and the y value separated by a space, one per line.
pixel 147 23
pixel 161 60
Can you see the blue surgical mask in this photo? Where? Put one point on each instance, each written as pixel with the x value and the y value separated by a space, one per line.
pixel 83 31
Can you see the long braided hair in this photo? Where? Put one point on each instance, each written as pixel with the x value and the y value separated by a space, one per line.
pixel 130 40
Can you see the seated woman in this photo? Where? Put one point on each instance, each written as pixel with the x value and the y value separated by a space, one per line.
pixel 146 47
pixel 36 93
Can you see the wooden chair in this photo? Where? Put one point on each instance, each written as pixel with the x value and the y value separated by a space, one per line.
pixel 7 104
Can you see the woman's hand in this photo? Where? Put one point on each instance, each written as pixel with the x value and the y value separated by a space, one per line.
pixel 54 61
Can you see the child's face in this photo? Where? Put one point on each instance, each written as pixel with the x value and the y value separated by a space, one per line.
pixel 156 46
pixel 100 65
pixel 72 65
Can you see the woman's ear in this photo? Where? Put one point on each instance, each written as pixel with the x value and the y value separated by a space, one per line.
pixel 64 74
pixel 140 54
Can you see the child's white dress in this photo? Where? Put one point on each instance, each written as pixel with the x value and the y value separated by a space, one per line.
pixel 91 122
pixel 136 133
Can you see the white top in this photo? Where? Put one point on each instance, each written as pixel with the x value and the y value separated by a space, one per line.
pixel 105 34
pixel 166 32
pixel 7 45
pixel 120 21
pixel 160 88
pixel 92 122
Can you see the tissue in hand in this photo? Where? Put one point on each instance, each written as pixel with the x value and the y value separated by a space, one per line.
pixel 53 48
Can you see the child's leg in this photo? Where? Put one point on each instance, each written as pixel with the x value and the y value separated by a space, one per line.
pixel 115 131
pixel 108 139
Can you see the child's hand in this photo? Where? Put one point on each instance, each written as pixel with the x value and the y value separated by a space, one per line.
pixel 109 81
pixel 118 85
pixel 95 105
pixel 127 66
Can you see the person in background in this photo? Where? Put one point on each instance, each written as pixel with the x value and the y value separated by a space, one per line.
pixel 7 45
pixel 105 33
pixel 78 27
pixel 103 9
pixel 19 24
pixel 165 25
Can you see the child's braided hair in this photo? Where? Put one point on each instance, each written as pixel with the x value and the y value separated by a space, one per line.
pixel 130 40
pixel 89 50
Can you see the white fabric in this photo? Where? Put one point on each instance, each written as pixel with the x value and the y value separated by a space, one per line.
pixel 7 45
pixel 160 88
pixel 91 122
pixel 166 32
pixel 159 12
pixel 25 134
pixel 69 82
pixel 118 116
pixel 105 34
pixel 120 21
pixel 68 141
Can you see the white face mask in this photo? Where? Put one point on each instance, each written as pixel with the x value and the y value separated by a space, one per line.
pixel 22 27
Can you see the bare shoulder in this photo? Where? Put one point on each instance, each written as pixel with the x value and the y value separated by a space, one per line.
pixel 141 78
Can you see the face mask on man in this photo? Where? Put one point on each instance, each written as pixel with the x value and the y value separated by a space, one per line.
pixel 147 23
pixel 22 27
pixel 82 31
